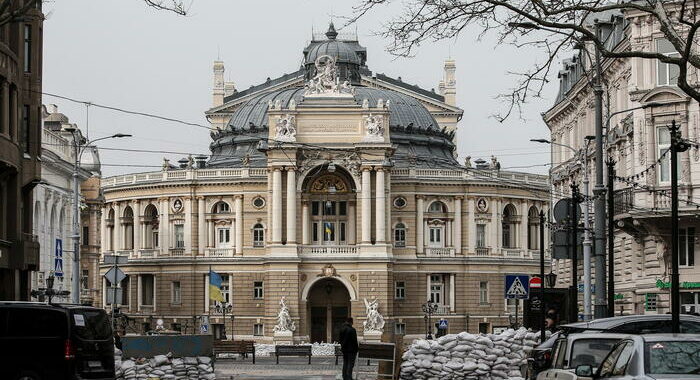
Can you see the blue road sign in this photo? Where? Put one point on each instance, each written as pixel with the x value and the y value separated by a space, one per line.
pixel 442 324
pixel 581 287
pixel 517 286
pixel 58 259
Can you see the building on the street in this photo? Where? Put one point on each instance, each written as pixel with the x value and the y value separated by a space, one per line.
pixel 53 199
pixel 331 186
pixel 636 141
pixel 90 214
pixel 20 134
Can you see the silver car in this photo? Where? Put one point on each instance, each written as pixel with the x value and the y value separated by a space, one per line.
pixel 578 349
pixel 649 357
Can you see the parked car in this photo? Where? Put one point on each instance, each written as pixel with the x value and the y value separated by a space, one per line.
pixel 540 358
pixel 573 350
pixel 649 357
pixel 55 341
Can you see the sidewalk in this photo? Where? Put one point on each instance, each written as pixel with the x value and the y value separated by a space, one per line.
pixel 290 368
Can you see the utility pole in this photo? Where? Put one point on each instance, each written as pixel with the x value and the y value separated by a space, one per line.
pixel 587 242
pixel 599 192
pixel 677 145
pixel 573 216
pixel 543 335
pixel 75 280
pixel 611 239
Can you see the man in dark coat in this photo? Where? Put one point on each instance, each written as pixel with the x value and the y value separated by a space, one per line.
pixel 348 344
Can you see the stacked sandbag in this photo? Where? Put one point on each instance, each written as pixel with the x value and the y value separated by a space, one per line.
pixel 317 349
pixel 163 367
pixel 469 356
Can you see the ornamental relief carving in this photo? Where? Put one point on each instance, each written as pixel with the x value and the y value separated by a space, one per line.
pixel 329 183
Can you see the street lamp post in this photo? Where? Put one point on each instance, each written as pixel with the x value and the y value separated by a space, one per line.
pixel 78 150
pixel 429 308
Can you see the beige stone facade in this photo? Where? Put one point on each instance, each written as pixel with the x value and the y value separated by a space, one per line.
pixel 328 215
pixel 636 140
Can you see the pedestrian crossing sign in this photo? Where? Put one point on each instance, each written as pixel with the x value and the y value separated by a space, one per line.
pixel 517 286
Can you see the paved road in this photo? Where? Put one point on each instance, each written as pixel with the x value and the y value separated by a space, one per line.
pixel 290 368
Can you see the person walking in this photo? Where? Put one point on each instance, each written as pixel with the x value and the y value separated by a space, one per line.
pixel 348 345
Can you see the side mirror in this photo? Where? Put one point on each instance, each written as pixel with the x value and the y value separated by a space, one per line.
pixel 584 370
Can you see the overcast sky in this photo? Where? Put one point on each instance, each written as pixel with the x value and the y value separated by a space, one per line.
pixel 123 54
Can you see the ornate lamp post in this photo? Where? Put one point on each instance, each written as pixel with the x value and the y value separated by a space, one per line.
pixel 429 308
pixel 551 279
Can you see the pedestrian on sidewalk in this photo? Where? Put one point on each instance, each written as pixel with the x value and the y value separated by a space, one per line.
pixel 348 345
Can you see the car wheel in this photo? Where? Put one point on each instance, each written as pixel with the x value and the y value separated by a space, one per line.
pixel 28 375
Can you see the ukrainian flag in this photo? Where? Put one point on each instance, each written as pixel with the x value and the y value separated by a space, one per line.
pixel 328 228
pixel 215 286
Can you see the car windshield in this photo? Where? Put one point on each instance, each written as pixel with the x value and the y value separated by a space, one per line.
pixel 676 357
pixel 590 351
pixel 91 324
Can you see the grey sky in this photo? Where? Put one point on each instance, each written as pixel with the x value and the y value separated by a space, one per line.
pixel 124 54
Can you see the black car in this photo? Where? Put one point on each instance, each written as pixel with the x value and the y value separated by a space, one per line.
pixel 540 358
pixel 55 341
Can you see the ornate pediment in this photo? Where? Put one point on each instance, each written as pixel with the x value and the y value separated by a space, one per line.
pixel 329 184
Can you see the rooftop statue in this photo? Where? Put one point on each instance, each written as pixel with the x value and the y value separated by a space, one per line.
pixel 326 82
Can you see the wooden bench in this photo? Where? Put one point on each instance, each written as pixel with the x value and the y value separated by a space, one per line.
pixel 338 353
pixel 242 347
pixel 283 350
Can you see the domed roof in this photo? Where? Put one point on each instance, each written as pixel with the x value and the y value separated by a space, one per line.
pixel 421 141
pixel 341 51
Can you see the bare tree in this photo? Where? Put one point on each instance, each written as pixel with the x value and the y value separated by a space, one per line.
pixel 552 26
pixel 14 10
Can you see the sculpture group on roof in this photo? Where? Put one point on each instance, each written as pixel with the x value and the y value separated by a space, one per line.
pixel 326 79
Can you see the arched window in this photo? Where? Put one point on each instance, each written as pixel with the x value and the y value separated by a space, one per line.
pixel 222 208
pixel 533 225
pixel 258 235
pixel 128 228
pixel 437 206
pixel 400 235
pixel 110 230
pixel 508 226
pixel 150 225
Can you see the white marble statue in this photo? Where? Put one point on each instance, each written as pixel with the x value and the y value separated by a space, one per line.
pixel 326 82
pixel 286 129
pixel 374 126
pixel 375 321
pixel 284 320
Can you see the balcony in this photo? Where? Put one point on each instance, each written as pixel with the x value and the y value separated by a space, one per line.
pixel 623 200
pixel 512 252
pixel 440 252
pixel 327 250
pixel 176 252
pixel 443 310
pixel 219 252
pixel 482 251
pixel 147 253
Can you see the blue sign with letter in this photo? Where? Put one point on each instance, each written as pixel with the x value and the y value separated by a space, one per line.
pixel 517 286
pixel 442 324
pixel 58 260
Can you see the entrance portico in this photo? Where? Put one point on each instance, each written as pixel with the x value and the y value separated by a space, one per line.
pixel 328 306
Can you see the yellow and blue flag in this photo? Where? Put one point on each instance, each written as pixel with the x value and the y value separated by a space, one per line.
pixel 215 287
pixel 328 228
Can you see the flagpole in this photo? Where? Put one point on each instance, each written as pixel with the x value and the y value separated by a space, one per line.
pixel 209 298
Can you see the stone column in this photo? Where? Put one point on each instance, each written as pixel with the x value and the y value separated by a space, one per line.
pixel 458 225
pixel 352 223
pixel 188 226
pixel 366 206
pixel 201 226
pixel 419 224
pixel 211 233
pixel 155 292
pixel 448 234
pixel 471 241
pixel 206 293
pixel 291 206
pixel 238 205
pixel 138 292
pixel 453 277
pixel 380 217
pixel 495 226
pixel 104 291
pixel 137 226
pixel 276 206
pixel 427 289
pixel 523 226
pixel 305 222
pixel 164 226
pixel 118 242
pixel 103 230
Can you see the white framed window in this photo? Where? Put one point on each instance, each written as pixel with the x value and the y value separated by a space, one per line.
pixel 663 145
pixel 147 289
pixel 177 293
pixel 690 302
pixel 225 291
pixel 258 329
pixel 223 237
pixel 650 301
pixel 258 290
pixel 483 292
pixel 437 206
pixel 435 236
pixel 156 243
pixel 666 73
pixel 437 288
pixel 480 236
pixel 400 290
pixel 686 252
pixel 179 236
pixel 258 235
pixel 400 328
pixel 400 235
pixel 222 208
